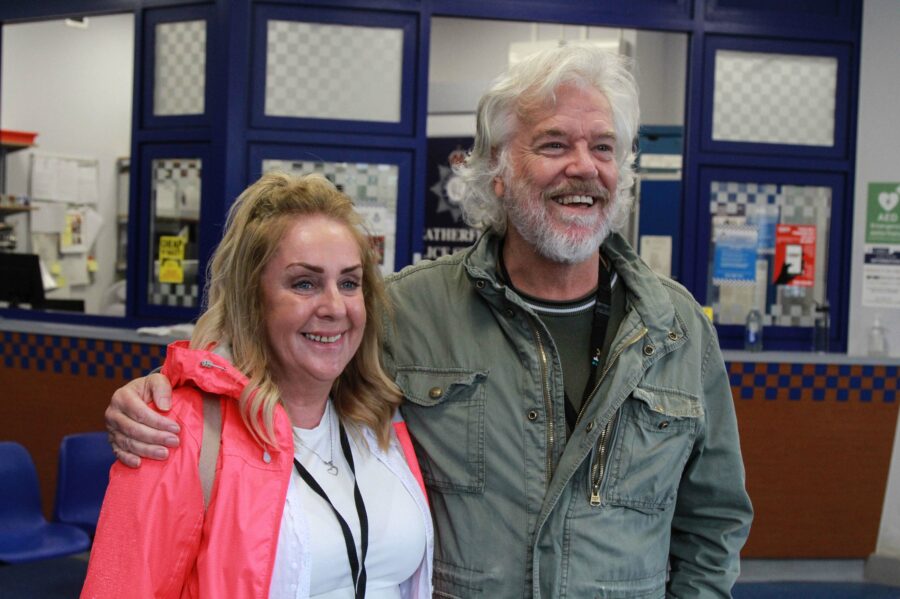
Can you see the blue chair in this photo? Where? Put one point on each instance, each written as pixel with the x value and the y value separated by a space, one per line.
pixel 84 463
pixel 25 535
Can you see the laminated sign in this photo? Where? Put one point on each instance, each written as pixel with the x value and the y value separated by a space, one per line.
pixel 171 259
pixel 795 255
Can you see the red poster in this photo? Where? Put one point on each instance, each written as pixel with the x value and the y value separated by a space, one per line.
pixel 795 255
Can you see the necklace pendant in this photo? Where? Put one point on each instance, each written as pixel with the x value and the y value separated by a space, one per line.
pixel 332 469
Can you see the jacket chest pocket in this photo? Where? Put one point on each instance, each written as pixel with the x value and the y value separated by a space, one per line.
pixel 657 429
pixel 445 414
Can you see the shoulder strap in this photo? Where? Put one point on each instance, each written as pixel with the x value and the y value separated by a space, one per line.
pixel 209 447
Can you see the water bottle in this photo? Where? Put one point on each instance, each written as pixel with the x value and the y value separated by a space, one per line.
pixel 820 328
pixel 753 331
pixel 877 339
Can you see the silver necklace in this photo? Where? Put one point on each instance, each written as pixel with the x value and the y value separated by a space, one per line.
pixel 332 469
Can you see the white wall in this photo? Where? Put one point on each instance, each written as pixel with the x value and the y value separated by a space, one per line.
pixel 877 153
pixel 73 87
pixel 878 160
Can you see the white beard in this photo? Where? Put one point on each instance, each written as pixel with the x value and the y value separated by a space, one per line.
pixel 581 234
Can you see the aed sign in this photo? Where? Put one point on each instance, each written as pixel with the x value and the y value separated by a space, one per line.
pixel 883 214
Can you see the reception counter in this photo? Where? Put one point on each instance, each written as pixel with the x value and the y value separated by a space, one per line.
pixel 817 429
pixel 817 432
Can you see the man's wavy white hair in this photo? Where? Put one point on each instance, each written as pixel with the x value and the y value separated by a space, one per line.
pixel 531 85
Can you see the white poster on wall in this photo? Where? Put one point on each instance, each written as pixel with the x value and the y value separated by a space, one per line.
pixel 656 251
pixel 881 277
pixel 48 217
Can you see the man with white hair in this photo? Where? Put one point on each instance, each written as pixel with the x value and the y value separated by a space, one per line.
pixel 571 409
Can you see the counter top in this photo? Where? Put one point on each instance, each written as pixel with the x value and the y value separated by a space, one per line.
pixel 130 335
pixel 786 357
pixel 37 327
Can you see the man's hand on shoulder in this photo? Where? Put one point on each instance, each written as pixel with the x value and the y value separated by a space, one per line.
pixel 135 429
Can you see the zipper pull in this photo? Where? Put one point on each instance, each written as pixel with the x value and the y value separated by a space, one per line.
pixel 210 364
pixel 595 497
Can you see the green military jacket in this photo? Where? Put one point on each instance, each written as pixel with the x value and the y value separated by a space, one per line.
pixel 645 499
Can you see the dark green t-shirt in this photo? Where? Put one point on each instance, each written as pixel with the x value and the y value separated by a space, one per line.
pixel 570 326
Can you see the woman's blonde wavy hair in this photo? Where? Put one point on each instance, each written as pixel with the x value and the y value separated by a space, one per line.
pixel 363 394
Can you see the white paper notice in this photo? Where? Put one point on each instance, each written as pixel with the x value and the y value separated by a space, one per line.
pixel 93 222
pixel 75 270
pixel 881 277
pixel 43 178
pixel 190 200
pixel 67 180
pixel 87 185
pixel 48 217
pixel 48 279
pixel 72 238
pixel 656 251
pixel 165 198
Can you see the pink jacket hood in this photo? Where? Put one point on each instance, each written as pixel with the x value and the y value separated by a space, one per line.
pixel 205 370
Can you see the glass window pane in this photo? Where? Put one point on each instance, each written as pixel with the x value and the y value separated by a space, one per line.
pixel 323 71
pixel 175 213
pixel 769 251
pixel 774 98
pixel 68 89
pixel 179 84
pixel 373 189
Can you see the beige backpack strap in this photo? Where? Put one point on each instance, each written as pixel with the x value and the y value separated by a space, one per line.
pixel 209 447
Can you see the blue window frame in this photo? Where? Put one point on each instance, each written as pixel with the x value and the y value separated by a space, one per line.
pixel 141 229
pixel 822 19
pixel 792 338
pixel 321 153
pixel 407 23
pixel 152 19
pixel 840 147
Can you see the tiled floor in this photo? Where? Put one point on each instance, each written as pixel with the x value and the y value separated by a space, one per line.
pixel 808 579
pixel 760 579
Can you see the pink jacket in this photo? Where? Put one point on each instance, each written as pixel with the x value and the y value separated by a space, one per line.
pixel 152 537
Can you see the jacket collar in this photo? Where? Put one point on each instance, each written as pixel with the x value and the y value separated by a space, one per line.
pixel 645 293
pixel 207 370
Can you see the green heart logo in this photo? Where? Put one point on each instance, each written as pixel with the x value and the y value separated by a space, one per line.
pixel 888 200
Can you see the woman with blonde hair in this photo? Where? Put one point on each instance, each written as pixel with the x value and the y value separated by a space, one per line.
pixel 315 490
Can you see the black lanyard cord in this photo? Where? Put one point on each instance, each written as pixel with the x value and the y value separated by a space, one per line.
pixel 357 564
pixel 598 335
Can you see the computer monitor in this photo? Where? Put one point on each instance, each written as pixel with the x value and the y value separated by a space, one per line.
pixel 21 283
pixel 20 280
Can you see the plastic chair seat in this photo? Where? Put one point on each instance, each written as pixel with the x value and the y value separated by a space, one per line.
pixel 24 533
pixel 82 478
pixel 51 539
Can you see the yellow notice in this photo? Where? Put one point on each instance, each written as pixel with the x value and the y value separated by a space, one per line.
pixel 171 259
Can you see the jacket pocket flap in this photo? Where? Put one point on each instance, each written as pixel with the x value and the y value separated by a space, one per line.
pixel 670 402
pixel 432 386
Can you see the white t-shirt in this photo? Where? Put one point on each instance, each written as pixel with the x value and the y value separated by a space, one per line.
pixel 396 530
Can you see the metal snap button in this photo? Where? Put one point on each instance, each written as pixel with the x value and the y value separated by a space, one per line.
pixel 435 392
pixel 648 350
pixel 532 414
pixel 480 284
pixel 510 312
pixel 267 458
pixel 663 425
pixel 590 426
pixel 672 336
